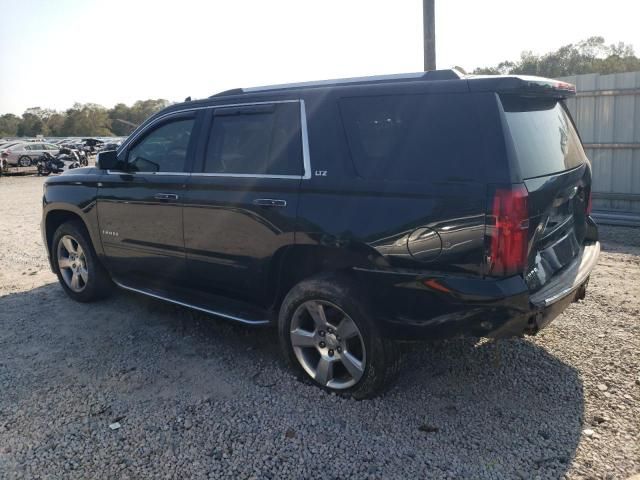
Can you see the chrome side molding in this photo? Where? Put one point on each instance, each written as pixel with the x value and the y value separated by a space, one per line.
pixel 194 307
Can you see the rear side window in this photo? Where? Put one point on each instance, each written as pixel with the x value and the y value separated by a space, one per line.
pixel 255 140
pixel 543 135
pixel 421 138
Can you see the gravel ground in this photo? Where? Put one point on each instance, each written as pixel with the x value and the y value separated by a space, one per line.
pixel 198 397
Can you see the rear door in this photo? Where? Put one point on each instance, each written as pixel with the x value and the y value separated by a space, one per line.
pixel 242 197
pixel 547 153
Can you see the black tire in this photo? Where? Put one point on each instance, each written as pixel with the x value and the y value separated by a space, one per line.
pixel 98 284
pixel 383 356
pixel 24 161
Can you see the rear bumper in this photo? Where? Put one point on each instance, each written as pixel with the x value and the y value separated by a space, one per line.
pixel 566 288
pixel 449 306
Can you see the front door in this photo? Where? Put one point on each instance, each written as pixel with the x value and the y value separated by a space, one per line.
pixel 140 208
pixel 241 202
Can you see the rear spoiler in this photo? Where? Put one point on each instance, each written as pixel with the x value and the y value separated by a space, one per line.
pixel 521 85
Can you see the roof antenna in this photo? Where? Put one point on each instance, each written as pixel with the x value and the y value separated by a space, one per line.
pixel 188 99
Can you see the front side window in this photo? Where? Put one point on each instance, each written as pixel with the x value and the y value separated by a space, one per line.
pixel 162 150
pixel 255 140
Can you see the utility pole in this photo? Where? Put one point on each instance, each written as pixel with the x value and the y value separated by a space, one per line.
pixel 429 26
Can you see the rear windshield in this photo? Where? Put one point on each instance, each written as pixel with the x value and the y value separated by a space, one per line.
pixel 543 135
pixel 415 138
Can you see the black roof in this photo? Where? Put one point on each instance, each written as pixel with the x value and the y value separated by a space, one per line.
pixel 438 80
pixel 498 83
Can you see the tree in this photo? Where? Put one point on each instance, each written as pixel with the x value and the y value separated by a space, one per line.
pixel 30 126
pixel 143 109
pixel 41 113
pixel 87 119
pixel 592 55
pixel 55 125
pixel 82 120
pixel 9 124
pixel 119 115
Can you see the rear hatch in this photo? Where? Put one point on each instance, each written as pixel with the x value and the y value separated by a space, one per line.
pixel 554 185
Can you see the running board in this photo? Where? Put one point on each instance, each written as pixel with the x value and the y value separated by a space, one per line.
pixel 164 296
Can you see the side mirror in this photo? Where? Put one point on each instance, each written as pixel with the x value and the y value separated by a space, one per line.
pixel 107 160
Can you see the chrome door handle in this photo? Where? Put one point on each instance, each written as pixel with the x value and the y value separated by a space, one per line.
pixel 270 202
pixel 166 196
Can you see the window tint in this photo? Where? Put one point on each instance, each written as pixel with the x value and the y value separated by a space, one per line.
pixel 162 150
pixel 414 137
pixel 543 136
pixel 258 140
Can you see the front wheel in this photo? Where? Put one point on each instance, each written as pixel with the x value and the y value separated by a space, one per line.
pixel 79 271
pixel 328 337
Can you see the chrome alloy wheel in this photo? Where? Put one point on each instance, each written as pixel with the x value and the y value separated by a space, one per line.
pixel 328 344
pixel 72 264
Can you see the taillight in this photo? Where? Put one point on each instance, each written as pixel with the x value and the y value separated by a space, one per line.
pixel 508 230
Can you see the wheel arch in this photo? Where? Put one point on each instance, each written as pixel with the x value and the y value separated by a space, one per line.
pixel 293 264
pixel 56 216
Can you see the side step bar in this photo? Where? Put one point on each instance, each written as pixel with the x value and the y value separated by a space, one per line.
pixel 163 296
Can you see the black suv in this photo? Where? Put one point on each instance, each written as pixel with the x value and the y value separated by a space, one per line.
pixel 351 214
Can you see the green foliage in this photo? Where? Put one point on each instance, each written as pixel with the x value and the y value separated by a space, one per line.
pixel 592 55
pixel 30 125
pixel 122 117
pixel 9 124
pixel 88 119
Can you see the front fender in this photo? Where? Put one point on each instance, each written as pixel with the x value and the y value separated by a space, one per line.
pixel 68 196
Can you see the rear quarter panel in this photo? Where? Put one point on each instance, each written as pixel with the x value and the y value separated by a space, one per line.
pixel 374 218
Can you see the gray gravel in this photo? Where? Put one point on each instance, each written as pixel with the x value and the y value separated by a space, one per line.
pixel 198 397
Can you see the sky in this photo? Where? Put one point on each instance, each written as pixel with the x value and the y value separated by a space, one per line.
pixel 57 52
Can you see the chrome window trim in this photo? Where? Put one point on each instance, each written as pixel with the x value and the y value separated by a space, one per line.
pixel 120 172
pixel 306 157
pixel 246 175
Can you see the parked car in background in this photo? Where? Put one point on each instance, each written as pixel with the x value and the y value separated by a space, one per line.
pixel 110 146
pixel 25 154
pixel 7 144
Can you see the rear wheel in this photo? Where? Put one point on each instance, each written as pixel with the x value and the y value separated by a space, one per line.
pixel 79 271
pixel 24 161
pixel 328 337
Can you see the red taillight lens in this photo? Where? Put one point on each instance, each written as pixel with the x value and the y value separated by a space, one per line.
pixel 508 228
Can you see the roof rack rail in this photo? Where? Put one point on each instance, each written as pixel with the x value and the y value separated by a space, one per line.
pixel 233 91
pixel 431 75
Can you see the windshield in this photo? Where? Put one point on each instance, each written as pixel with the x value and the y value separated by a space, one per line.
pixel 543 135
